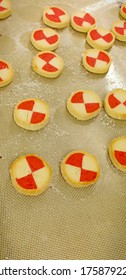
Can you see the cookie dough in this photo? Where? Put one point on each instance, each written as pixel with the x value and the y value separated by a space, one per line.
pixel 115 104
pixel 123 10
pixel 119 30
pixel 5 9
pixel 30 174
pixel 117 152
pixel 45 39
pixel 84 105
pixel 48 64
pixel 6 73
pixel 31 114
pixel 80 169
pixel 96 61
pixel 82 21
pixel 55 17
pixel 100 38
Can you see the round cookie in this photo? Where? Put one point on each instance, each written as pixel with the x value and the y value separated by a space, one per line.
pixel 6 73
pixel 31 114
pixel 5 9
pixel 117 152
pixel 123 11
pixel 55 17
pixel 84 105
pixel 96 61
pixel 100 38
pixel 30 174
pixel 115 104
pixel 80 169
pixel 82 21
pixel 119 30
pixel 45 39
pixel 47 64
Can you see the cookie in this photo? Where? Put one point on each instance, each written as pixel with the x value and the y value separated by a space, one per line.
pixel 5 9
pixel 84 105
pixel 96 61
pixel 55 17
pixel 123 10
pixel 80 169
pixel 115 104
pixel 48 64
pixel 30 174
pixel 117 152
pixel 6 73
pixel 100 38
pixel 82 21
pixel 31 114
pixel 45 39
pixel 119 30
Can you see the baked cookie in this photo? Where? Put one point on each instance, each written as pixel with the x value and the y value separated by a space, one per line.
pixel 55 17
pixel 6 73
pixel 31 114
pixel 115 104
pixel 96 61
pixel 117 152
pixel 5 9
pixel 45 39
pixel 119 30
pixel 84 105
pixel 100 38
pixel 82 21
pixel 123 10
pixel 48 64
pixel 30 174
pixel 80 169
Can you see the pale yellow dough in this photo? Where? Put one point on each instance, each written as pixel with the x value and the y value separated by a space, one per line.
pixel 6 74
pixel 43 45
pixel 119 36
pixel 116 111
pixel 118 144
pixel 86 26
pixel 64 19
pixel 100 43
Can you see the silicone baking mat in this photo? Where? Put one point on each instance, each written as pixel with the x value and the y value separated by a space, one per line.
pixel 62 223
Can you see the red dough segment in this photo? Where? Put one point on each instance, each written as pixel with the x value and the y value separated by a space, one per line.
pixel 3 65
pixel 103 56
pixel 87 175
pixel 124 10
pixel 92 107
pixel 56 16
pixel 27 105
pixel 2 9
pixel 121 30
pixel 75 160
pixel 47 56
pixel 87 18
pixel 77 97
pixel 121 157
pixel 34 163
pixel 37 117
pixel 91 61
pixel 39 35
pixel 27 182
pixel 113 101
pixel 95 35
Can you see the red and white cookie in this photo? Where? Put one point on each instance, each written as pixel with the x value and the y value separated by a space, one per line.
pixel 5 9
pixel 119 30
pixel 96 61
pixel 55 17
pixel 84 105
pixel 31 114
pixel 100 38
pixel 30 174
pixel 115 104
pixel 48 64
pixel 123 10
pixel 6 73
pixel 45 39
pixel 117 152
pixel 80 169
pixel 82 21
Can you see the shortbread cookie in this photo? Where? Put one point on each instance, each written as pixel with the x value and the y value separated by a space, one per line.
pixel 5 9
pixel 48 64
pixel 55 17
pixel 115 104
pixel 82 21
pixel 80 169
pixel 119 30
pixel 123 10
pixel 30 174
pixel 117 152
pixel 84 105
pixel 96 61
pixel 6 73
pixel 100 38
pixel 45 39
pixel 31 114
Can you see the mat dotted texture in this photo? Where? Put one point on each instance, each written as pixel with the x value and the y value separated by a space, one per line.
pixel 62 223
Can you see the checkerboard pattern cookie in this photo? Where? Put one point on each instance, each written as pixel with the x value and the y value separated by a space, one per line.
pixel 115 104
pixel 100 38
pixel 117 152
pixel 30 174
pixel 55 17
pixel 31 114
pixel 45 39
pixel 96 61
pixel 5 9
pixel 82 21
pixel 80 169
pixel 6 73
pixel 119 30
pixel 123 10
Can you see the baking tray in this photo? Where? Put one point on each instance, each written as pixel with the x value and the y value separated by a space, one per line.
pixel 62 223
